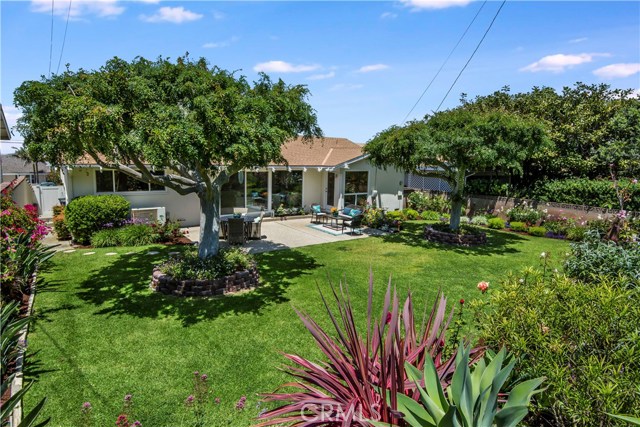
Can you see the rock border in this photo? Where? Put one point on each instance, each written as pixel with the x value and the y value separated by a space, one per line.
pixel 238 281
pixel 433 235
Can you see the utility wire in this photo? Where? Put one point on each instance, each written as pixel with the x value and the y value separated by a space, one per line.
pixel 444 63
pixel 471 57
pixel 64 38
pixel 51 39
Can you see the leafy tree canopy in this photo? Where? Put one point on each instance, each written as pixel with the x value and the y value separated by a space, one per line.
pixel 199 123
pixel 455 144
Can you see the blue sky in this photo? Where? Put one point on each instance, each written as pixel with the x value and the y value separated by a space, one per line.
pixel 365 63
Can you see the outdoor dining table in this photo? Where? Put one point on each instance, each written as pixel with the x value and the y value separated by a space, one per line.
pixel 248 226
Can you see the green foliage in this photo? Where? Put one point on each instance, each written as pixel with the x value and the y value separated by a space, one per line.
pixel 576 233
pixel 425 201
pixel 593 257
pixel 106 238
pixel 537 231
pixel 462 229
pixel 190 266
pixel 496 223
pixel 57 210
pixel 523 213
pixel 88 214
pixel 373 217
pixel 479 220
pixel 430 216
pixel 458 143
pixel 583 338
pixel 518 226
pixel 136 235
pixel 590 192
pixel 60 227
pixel 559 227
pixel 395 216
pixel 182 116
pixel 472 398
pixel 411 214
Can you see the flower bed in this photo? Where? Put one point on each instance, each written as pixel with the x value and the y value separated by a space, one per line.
pixel 473 239
pixel 240 280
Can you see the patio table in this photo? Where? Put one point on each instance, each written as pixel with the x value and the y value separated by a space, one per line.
pixel 248 227
pixel 333 222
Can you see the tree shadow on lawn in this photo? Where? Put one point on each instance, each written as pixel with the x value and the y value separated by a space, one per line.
pixel 498 242
pixel 122 288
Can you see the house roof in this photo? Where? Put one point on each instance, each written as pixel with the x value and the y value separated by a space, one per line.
pixel 320 152
pixel 325 152
pixel 12 165
pixel 5 133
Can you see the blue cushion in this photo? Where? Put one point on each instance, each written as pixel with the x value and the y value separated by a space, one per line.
pixel 355 212
pixel 346 211
pixel 316 208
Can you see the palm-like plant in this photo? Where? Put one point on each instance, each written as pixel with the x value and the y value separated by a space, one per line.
pixel 349 388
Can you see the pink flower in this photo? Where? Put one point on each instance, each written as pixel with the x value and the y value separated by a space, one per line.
pixel 241 402
pixel 483 286
pixel 388 318
pixel 634 181
pixel 86 405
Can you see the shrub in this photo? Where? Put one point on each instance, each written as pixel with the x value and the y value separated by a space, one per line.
pixel 430 216
pixel 190 266
pixel 537 231
pixel 519 226
pixel 373 217
pixel 411 214
pixel 582 337
pixel 479 220
pixel 60 227
pixel 591 192
pixel 106 238
pixel 166 232
pixel 395 216
pixel 423 201
pixel 576 233
pixel 593 257
pixel 360 369
pixel 523 213
pixel 88 214
pixel 558 227
pixel 57 210
pixel 17 221
pixel 136 235
pixel 495 223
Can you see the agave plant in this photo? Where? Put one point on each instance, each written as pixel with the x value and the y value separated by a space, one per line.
pixel 348 388
pixel 472 398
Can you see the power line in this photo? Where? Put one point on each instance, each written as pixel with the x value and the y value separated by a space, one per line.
pixel 444 63
pixel 471 57
pixel 51 39
pixel 64 38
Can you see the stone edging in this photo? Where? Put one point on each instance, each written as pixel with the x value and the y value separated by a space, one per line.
pixel 454 239
pixel 16 384
pixel 240 280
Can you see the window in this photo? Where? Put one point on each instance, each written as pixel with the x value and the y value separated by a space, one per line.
pixel 116 181
pixel 331 188
pixel 232 193
pixel 286 189
pixel 356 186
pixel 257 190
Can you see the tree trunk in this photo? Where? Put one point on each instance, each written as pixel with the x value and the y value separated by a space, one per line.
pixel 457 197
pixel 209 223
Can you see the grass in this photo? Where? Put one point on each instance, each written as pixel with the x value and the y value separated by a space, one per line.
pixel 100 333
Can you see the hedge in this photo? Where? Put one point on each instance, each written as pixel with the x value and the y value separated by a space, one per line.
pixel 88 214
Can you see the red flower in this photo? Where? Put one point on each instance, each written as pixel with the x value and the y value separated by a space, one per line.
pixel 462 302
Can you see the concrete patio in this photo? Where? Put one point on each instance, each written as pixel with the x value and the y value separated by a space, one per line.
pixel 292 233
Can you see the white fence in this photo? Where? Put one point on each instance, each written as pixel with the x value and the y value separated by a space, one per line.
pixel 48 197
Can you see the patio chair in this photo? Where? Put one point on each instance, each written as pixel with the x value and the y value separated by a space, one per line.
pixel 317 213
pixel 256 227
pixel 354 223
pixel 236 233
pixel 224 226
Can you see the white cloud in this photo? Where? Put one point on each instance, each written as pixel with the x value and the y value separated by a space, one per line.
pixel 616 71
pixel 79 8
pixel 578 40
pixel 344 87
pixel 283 67
pixel 372 67
pixel 224 43
pixel 560 62
pixel 175 15
pixel 149 1
pixel 217 15
pixel 389 15
pixel 329 75
pixel 417 5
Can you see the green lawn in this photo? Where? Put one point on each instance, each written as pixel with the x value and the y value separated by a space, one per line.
pixel 100 333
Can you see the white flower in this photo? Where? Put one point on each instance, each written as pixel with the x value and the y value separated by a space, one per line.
pixel 543 255
pixel 521 280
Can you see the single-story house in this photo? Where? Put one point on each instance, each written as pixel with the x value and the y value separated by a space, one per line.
pixel 14 167
pixel 328 171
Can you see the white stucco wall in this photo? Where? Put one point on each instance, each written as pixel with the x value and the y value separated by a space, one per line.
pixel 178 207
pixel 386 185
pixel 312 187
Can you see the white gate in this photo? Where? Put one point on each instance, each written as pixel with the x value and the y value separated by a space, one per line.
pixel 48 197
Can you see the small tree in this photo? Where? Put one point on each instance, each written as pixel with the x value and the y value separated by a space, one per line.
pixel 454 144
pixel 199 124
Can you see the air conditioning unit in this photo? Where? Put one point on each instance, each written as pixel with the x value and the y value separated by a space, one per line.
pixel 150 214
